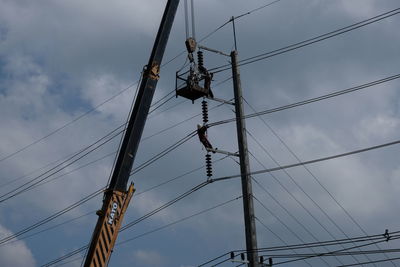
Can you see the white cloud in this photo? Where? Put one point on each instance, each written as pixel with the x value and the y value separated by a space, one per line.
pixel 148 258
pixel 15 254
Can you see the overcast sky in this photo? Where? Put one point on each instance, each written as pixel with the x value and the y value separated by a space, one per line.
pixel 59 59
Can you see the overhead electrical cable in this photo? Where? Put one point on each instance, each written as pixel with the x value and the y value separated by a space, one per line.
pixel 285 209
pixel 178 221
pixel 311 100
pixel 66 124
pixel 163 153
pixel 310 172
pixel 310 41
pixel 371 262
pixel 177 177
pixel 42 177
pixel 287 227
pixel 179 123
pixel 65 163
pixel 359 239
pixel 132 223
pixel 311 161
pixel 306 194
pixel 335 251
pixel 345 253
pixel 164 206
pixel 39 180
pixel 277 236
pixel 52 217
pixel 74 170
pixel 220 27
pixel 279 204
pixel 331 253
pixel 172 223
pixel 49 228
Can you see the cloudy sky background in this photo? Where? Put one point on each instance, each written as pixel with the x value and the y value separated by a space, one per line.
pixel 59 59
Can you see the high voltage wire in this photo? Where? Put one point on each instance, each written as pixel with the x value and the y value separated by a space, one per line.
pixel 310 161
pixel 163 153
pixel 304 192
pixel 361 239
pixel 369 262
pixel 71 156
pixel 177 177
pixel 172 223
pixel 49 228
pixel 346 253
pixel 285 209
pixel 311 100
pixel 39 179
pixel 130 224
pixel 140 193
pixel 287 227
pixel 310 172
pixel 59 167
pixel 293 217
pixel 224 24
pixel 335 251
pixel 66 125
pixel 277 236
pixel 353 152
pixel 42 177
pixel 52 217
pixel 310 41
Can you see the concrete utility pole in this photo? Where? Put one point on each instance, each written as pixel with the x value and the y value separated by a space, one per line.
pixel 248 206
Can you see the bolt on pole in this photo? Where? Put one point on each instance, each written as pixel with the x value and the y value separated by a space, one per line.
pixel 248 206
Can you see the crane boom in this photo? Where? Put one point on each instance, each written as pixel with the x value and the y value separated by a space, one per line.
pixel 117 197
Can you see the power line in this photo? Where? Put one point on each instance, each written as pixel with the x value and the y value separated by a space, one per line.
pixel 359 239
pixel 277 236
pixel 179 123
pixel 144 217
pixel 52 217
pixel 305 193
pixel 145 191
pixel 163 153
pixel 310 41
pixel 312 175
pixel 40 178
pixel 340 250
pixel 76 118
pixel 371 262
pixel 287 227
pixel 346 253
pixel 178 177
pixel 49 228
pixel 221 26
pixel 166 205
pixel 311 161
pixel 179 221
pixel 31 184
pixel 66 125
pixel 295 198
pixel 291 215
pixel 257 9
pixel 312 100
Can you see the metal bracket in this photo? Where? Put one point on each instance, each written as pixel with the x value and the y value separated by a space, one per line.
pixel 215 150
pixel 213 50
pixel 221 100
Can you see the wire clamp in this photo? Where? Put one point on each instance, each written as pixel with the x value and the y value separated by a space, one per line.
pixel 387 235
